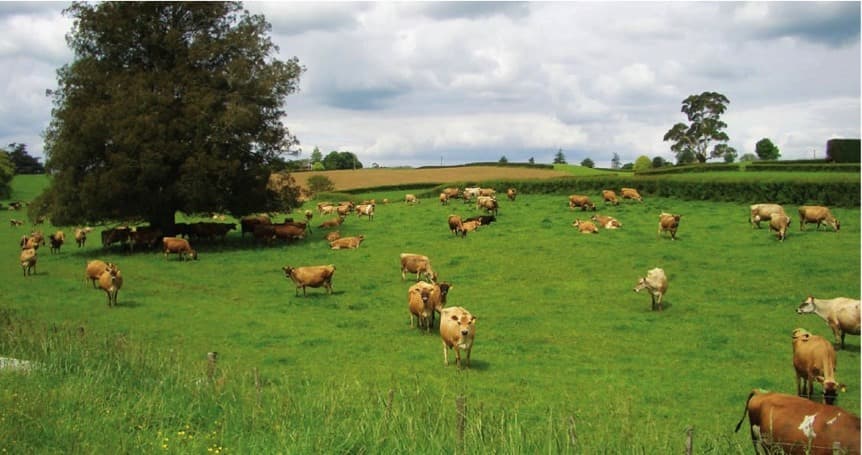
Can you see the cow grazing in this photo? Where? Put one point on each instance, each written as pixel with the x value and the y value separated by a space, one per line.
pixel 607 222
pixel 656 283
pixel 483 220
pixel 94 270
pixel 264 233
pixel 289 231
pixel 111 280
pixel 444 199
pixel 347 243
pixel 451 192
pixel 470 193
pixel 585 227
pixel 841 313
pixel 814 360
pixel 511 193
pixel 334 235
pixel 57 239
pixel 411 199
pixel 668 222
pixel 365 210
pixel 763 212
pixel 419 304
pixel 418 264
pixel 787 424
pixel 817 214
pixel 610 196
pixel 488 203
pixel 119 234
pixel 456 225
pixel 779 223
pixel 584 202
pixel 470 226
pixel 631 193
pixel 313 276
pixel 458 331
pixel 28 261
pixel 180 247
pixel 15 223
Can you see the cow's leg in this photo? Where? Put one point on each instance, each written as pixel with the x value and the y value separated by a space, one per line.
pixel 445 354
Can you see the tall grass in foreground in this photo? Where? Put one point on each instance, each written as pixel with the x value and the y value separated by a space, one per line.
pixel 110 394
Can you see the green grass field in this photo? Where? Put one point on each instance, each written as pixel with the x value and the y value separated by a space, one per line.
pixel 567 358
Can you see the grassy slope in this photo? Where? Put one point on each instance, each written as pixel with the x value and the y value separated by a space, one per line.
pixel 559 334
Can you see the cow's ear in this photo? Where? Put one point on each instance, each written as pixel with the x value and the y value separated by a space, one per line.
pixel 843 387
pixel 473 320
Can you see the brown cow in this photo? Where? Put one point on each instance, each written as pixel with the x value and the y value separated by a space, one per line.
pixel 489 203
pixel 332 222
pixel 787 424
pixel 814 360
pixel 180 247
pixel 511 193
pixel 456 225
pixel 451 192
pixel 313 276
pixel 411 199
pixel 57 239
pixel 111 280
pixel 584 202
pixel 763 212
pixel 610 196
pixel 631 193
pixel 81 236
pixel 458 331
pixel 347 243
pixel 444 199
pixel 28 260
pixel 419 304
pixel 94 270
pixel 817 214
pixel 779 223
pixel 289 231
pixel 607 222
pixel 470 226
pixel 334 235
pixel 841 313
pixel 668 222
pixel 585 227
pixel 365 210
pixel 247 223
pixel 418 264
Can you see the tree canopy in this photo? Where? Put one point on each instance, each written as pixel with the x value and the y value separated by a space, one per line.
pixel 166 106
pixel 766 150
pixel 560 157
pixel 7 171
pixel 692 141
pixel 341 160
pixel 24 162
pixel 586 162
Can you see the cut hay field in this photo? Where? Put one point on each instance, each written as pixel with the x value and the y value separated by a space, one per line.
pixel 346 180
pixel 567 358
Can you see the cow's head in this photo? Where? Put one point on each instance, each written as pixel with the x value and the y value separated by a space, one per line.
pixel 835 223
pixel 288 271
pixel 423 292
pixel 193 254
pixel 800 335
pixel 830 389
pixel 641 285
pixel 806 306
pixel 444 291
pixel 466 324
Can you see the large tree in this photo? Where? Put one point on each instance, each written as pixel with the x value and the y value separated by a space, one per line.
pixel 341 160
pixel 766 150
pixel 23 161
pixel 166 107
pixel 7 171
pixel 703 137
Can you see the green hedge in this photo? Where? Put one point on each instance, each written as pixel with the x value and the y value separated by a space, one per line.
pixel 802 167
pixel 690 168
pixel 843 150
pixel 494 163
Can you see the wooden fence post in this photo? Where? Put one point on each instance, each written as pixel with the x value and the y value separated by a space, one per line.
pixel 212 358
pixel 688 440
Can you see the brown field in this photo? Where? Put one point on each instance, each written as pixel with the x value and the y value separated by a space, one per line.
pixel 370 178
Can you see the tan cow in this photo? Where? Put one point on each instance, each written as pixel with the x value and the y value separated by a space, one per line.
pixel 668 222
pixel 607 222
pixel 779 223
pixel 28 260
pixel 334 235
pixel 419 304
pixel 631 193
pixel 787 424
pixel 456 225
pixel 451 192
pixel 81 236
pixel 470 226
pixel 111 280
pixel 511 193
pixel 841 313
pixel 814 360
pixel 763 212
pixel 584 202
pixel 656 283
pixel 444 199
pixel 488 203
pixel 347 243
pixel 178 246
pixel 365 210
pixel 313 276
pixel 411 199
pixel 57 239
pixel 332 222
pixel 610 196
pixel 585 227
pixel 458 331
pixel 418 264
pixel 817 214
pixel 94 270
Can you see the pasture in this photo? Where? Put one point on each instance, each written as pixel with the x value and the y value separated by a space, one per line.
pixel 567 358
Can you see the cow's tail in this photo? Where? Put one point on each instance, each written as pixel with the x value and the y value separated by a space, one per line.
pixel 745 412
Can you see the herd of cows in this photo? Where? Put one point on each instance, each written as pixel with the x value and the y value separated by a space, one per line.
pixel 778 422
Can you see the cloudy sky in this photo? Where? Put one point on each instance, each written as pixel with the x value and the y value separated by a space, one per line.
pixel 423 83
